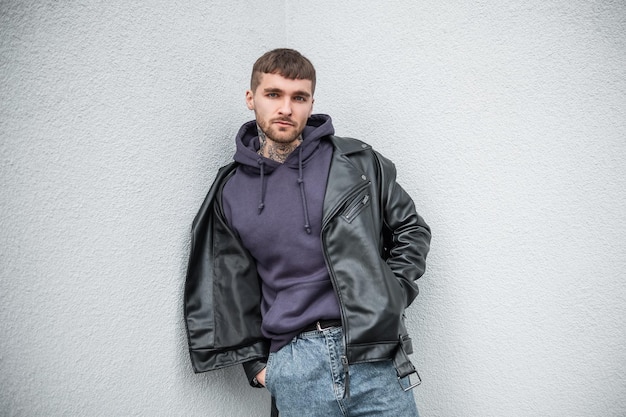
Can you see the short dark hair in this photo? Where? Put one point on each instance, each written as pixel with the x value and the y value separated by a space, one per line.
pixel 289 63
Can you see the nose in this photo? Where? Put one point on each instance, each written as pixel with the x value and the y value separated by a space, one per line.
pixel 285 107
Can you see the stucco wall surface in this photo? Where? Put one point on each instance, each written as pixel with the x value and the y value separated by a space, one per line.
pixel 507 123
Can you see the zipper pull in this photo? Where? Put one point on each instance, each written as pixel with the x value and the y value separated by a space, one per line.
pixel 346 372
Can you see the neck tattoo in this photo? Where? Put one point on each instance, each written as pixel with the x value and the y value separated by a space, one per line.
pixel 276 151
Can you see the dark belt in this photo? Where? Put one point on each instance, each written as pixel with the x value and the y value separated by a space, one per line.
pixel 322 325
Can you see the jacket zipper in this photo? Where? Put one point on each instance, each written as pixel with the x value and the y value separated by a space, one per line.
pixel 338 206
pixel 346 380
pixel 357 207
pixel 333 212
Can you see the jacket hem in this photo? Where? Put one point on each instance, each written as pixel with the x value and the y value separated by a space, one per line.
pixel 204 360
pixel 372 352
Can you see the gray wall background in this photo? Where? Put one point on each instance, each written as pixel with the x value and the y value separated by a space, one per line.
pixel 507 123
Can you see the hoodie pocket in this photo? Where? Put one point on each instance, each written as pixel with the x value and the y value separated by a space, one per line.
pixel 355 207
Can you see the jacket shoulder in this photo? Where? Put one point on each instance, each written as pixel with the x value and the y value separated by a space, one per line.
pixel 348 145
pixel 354 148
pixel 222 173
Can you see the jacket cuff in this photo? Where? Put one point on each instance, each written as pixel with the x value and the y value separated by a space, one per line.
pixel 252 368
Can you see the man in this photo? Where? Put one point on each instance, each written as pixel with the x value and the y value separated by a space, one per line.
pixel 303 259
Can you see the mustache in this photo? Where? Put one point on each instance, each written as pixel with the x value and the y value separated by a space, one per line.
pixel 284 119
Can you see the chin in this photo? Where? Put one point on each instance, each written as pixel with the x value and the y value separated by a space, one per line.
pixel 283 137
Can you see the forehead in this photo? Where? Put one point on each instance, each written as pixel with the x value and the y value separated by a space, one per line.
pixel 278 82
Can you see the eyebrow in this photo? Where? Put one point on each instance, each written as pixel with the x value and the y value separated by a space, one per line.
pixel 295 93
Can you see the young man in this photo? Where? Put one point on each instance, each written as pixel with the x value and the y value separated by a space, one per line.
pixel 304 256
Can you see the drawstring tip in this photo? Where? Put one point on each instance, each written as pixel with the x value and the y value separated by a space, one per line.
pixel 308 229
pixel 261 207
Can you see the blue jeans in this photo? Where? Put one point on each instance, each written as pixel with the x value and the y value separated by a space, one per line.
pixel 307 378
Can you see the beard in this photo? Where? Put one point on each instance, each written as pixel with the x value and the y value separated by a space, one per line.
pixel 280 134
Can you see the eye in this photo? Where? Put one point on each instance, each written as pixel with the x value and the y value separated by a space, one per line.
pixel 272 95
pixel 300 98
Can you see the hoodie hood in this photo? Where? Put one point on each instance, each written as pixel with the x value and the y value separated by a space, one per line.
pixel 247 143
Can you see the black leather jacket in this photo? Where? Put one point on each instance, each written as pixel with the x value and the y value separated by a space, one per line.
pixel 375 247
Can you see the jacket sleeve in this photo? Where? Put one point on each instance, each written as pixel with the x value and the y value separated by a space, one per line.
pixel 252 368
pixel 406 236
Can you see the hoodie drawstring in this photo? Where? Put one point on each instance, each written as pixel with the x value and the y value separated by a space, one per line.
pixel 305 208
pixel 262 196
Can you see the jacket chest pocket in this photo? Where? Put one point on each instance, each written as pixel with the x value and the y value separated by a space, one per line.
pixel 355 206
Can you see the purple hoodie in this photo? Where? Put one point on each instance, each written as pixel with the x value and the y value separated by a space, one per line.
pixel 276 209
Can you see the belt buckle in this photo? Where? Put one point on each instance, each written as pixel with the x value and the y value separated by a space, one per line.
pixel 411 386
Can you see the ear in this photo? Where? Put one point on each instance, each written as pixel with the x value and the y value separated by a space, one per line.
pixel 311 109
pixel 250 99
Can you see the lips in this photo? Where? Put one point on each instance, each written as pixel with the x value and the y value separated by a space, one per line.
pixel 283 122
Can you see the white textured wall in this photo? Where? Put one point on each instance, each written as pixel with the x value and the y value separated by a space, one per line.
pixel 507 121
